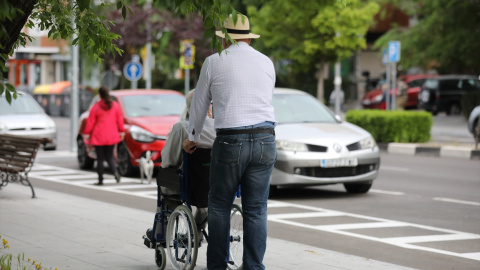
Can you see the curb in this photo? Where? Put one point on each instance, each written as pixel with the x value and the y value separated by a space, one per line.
pixel 433 151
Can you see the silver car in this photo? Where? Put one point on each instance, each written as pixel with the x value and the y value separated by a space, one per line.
pixel 25 117
pixel 316 148
pixel 474 124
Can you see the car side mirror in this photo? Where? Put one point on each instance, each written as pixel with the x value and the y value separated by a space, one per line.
pixel 339 119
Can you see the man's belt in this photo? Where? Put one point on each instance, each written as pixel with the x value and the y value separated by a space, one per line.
pixel 222 132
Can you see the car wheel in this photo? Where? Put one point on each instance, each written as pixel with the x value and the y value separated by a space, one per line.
pixel 454 109
pixel 476 132
pixel 125 168
pixel 50 148
pixel 273 191
pixel 84 161
pixel 362 187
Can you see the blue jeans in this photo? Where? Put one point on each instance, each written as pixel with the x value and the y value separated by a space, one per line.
pixel 246 160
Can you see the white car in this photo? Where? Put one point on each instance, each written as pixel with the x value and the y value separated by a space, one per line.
pixel 25 117
pixel 316 148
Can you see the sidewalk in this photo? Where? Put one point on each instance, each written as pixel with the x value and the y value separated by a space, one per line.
pixel 69 232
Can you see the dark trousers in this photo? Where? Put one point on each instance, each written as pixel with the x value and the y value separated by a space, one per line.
pixel 105 152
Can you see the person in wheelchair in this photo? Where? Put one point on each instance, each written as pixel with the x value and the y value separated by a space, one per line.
pixel 198 168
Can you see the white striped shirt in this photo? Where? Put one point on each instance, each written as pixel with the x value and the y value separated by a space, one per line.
pixel 240 81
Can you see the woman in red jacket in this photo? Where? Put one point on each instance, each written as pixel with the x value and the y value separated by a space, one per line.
pixel 105 128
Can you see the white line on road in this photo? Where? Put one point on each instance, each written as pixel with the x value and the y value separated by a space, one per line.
pixel 343 228
pixel 404 242
pixel 456 201
pixel 390 168
pixel 387 192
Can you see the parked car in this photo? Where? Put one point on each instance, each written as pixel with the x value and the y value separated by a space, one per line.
pixel 148 115
pixel 443 93
pixel 474 124
pixel 25 117
pixel 376 99
pixel 316 148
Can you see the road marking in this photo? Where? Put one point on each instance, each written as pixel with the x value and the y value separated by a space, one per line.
pixel 456 201
pixel 398 193
pixel 82 179
pixel 347 229
pixel 390 168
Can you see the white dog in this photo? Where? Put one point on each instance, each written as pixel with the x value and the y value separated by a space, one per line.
pixel 146 166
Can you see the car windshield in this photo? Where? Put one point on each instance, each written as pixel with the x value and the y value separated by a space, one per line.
pixel 153 105
pixel 24 104
pixel 294 108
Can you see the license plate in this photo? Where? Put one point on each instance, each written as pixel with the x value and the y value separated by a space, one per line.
pixel 338 162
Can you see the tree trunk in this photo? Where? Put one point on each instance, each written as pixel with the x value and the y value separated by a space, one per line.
pixel 15 26
pixel 322 74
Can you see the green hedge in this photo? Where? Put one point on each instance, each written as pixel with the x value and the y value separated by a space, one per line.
pixel 393 126
pixel 469 102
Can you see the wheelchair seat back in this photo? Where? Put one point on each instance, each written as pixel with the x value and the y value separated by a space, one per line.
pixel 198 174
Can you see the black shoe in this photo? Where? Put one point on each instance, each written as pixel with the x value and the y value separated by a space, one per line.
pixel 117 176
pixel 99 184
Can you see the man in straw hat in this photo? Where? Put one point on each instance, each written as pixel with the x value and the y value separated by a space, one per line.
pixel 240 81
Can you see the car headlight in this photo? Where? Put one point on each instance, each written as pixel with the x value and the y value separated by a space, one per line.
pixel 367 143
pixel 378 99
pixel 50 124
pixel 291 146
pixel 141 135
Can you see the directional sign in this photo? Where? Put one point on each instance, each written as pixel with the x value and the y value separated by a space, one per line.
pixel 133 71
pixel 187 50
pixel 393 51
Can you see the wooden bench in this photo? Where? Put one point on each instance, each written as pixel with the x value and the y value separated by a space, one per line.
pixel 17 155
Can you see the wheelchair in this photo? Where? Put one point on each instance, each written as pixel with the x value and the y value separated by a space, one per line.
pixel 175 234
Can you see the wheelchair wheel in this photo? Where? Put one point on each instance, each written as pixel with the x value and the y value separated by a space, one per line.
pixel 235 253
pixel 182 244
pixel 160 257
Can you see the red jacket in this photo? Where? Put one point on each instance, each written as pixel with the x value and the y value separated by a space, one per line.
pixel 104 125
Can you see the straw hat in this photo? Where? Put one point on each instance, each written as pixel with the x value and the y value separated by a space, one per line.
pixel 240 30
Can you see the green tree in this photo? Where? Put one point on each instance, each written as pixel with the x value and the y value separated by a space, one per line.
pixel 446 36
pixel 311 34
pixel 92 31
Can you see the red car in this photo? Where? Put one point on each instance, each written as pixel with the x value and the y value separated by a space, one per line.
pixel 148 116
pixel 375 99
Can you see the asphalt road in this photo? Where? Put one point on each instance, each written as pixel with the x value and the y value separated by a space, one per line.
pixel 422 212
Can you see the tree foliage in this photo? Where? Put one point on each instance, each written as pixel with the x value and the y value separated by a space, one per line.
pixel 311 32
pixel 93 32
pixel 446 37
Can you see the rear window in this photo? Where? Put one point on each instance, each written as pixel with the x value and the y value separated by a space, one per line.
pixel 471 84
pixel 431 84
pixel 153 105
pixel 416 83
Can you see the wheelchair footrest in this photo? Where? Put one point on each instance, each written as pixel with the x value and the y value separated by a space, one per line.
pixel 147 242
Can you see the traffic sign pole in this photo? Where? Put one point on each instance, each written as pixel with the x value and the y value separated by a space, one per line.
pixel 394 83
pixel 393 53
pixel 387 91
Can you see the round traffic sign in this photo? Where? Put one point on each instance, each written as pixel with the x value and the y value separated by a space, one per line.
pixel 133 71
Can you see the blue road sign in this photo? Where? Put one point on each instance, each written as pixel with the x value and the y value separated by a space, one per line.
pixel 393 51
pixel 133 71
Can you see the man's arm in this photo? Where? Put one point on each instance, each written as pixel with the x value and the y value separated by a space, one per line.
pixel 200 104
